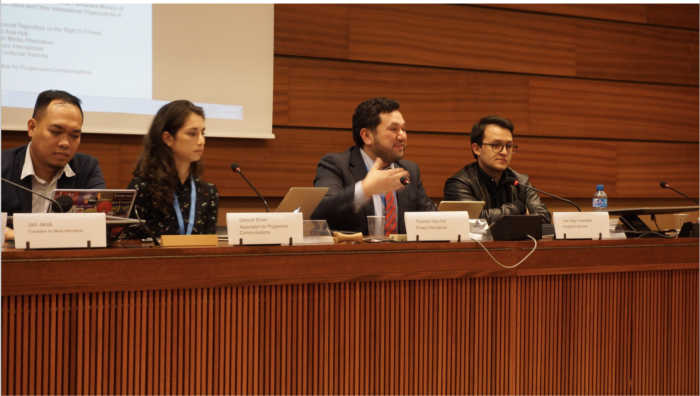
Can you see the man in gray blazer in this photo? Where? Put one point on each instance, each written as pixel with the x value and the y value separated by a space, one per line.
pixel 365 179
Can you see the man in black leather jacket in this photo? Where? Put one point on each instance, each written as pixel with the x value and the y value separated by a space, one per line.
pixel 484 180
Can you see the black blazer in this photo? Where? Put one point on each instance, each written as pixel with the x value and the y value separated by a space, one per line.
pixel 340 172
pixel 87 176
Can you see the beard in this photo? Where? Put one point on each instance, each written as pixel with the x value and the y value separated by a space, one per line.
pixel 389 156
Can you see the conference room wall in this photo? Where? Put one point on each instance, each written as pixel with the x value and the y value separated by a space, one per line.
pixel 598 94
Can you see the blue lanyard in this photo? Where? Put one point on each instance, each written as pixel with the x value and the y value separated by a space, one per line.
pixel 193 201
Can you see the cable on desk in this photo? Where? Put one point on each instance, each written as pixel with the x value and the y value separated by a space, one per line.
pixel 505 266
pixel 659 233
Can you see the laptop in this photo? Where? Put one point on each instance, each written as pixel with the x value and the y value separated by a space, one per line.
pixel 113 203
pixel 473 207
pixel 302 199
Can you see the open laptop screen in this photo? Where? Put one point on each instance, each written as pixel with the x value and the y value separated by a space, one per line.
pixel 111 202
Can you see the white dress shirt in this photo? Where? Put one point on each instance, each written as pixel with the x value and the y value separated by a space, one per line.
pixel 40 205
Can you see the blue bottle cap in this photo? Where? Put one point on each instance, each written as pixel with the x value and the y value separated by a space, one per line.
pixel 599 187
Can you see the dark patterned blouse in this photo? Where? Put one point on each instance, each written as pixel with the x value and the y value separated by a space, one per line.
pixel 206 215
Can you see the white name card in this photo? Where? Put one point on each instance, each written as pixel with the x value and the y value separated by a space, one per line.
pixel 437 226
pixel 60 230
pixel 581 225
pixel 264 228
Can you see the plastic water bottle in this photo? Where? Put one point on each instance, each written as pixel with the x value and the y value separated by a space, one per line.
pixel 600 199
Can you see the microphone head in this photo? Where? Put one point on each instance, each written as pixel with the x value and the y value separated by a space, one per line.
pixel 235 167
pixel 663 184
pixel 511 181
pixel 404 180
pixel 56 208
pixel 66 203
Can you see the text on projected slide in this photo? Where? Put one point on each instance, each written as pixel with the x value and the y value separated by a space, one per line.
pixel 102 53
pixel 86 49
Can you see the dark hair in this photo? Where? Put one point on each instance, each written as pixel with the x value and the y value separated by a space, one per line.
pixel 478 129
pixel 156 164
pixel 45 98
pixel 367 115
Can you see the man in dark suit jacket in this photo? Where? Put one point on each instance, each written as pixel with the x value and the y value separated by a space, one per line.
pixel 55 130
pixel 361 178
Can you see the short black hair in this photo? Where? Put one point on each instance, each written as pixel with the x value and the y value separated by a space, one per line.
pixel 478 129
pixel 45 98
pixel 368 115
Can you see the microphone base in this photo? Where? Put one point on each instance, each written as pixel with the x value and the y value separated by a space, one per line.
pixel 517 228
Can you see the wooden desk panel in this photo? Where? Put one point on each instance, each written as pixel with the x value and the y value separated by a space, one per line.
pixel 598 317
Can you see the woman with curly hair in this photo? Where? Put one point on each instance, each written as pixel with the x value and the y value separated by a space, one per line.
pixel 171 195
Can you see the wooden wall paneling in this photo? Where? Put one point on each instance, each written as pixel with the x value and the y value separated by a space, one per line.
pixel 326 93
pixel 641 166
pixel 280 92
pixel 636 53
pixel 130 149
pixel 12 139
pixel 676 15
pixel 612 110
pixel 108 151
pixel 439 157
pixel 288 161
pixel 633 13
pixel 485 94
pixel 463 37
pixel 316 30
pixel 670 15
pixel 567 168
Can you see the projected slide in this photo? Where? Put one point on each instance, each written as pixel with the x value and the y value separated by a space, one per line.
pixel 89 48
pixel 125 61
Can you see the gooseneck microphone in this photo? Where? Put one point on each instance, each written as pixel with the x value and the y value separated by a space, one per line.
pixel 511 181
pixel 62 205
pixel 664 185
pixel 404 180
pixel 237 169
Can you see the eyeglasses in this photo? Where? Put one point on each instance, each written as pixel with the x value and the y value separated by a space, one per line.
pixel 497 147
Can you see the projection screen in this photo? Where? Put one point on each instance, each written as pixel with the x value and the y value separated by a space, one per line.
pixel 124 61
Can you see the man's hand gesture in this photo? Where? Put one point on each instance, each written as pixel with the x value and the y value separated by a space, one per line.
pixel 380 180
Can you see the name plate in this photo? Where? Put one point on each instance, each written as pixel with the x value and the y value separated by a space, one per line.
pixel 60 230
pixel 437 226
pixel 264 228
pixel 581 225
